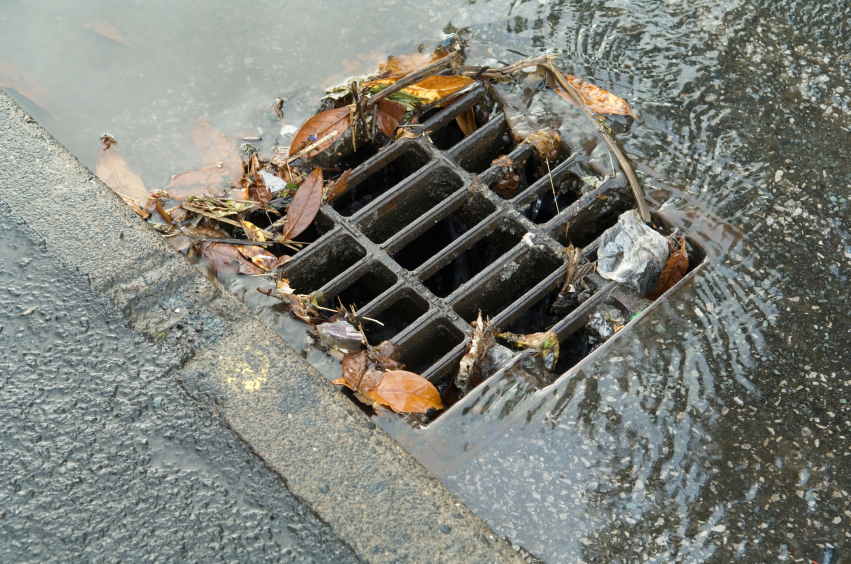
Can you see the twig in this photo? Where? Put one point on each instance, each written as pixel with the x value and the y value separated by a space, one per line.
pixel 414 77
pixel 553 186
pixel 228 241
pixel 311 147
pixel 504 71
pixel 162 211
pixel 637 192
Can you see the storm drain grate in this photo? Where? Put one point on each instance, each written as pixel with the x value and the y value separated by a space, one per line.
pixel 420 242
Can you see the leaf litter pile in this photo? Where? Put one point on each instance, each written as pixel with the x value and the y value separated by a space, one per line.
pixel 243 211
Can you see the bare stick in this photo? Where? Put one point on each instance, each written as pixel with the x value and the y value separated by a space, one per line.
pixel 502 71
pixel 637 192
pixel 553 186
pixel 310 147
pixel 415 77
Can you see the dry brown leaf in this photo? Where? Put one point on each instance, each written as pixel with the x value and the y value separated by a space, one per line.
pixel 470 368
pixel 406 392
pixel 227 258
pixel 304 207
pixel 673 272
pixel 108 31
pixel 339 186
pixel 261 192
pixel 261 257
pixel 359 373
pixel 388 114
pixel 430 89
pixel 599 100
pixel 216 149
pixel 115 173
pixel 210 179
pixel 16 78
pixel 467 122
pixel 134 205
pixel 509 179
pixel 318 127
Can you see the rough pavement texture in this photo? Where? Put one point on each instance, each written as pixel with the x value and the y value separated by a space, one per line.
pixel 104 458
pixel 374 496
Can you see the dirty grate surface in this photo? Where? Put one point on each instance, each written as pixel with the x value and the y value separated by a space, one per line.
pixel 421 242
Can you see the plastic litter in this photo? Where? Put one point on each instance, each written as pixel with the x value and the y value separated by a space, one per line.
pixel 632 253
pixel 604 322
pixel 339 335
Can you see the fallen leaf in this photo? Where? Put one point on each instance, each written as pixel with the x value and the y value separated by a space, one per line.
pixel 596 98
pixel 210 179
pixel 115 173
pixel 470 368
pixel 318 127
pixel 546 144
pixel 359 372
pixel 546 342
pixel 406 392
pixel 261 257
pixel 304 207
pixel 402 65
pixel 509 179
pixel 428 90
pixel 340 186
pixel 227 258
pixel 16 78
pixel 467 122
pixel 108 31
pixel 673 272
pixel 252 231
pixel 388 114
pixel 135 206
pixel 261 193
pixel 216 149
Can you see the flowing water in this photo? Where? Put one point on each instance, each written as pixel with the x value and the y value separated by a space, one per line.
pixel 719 429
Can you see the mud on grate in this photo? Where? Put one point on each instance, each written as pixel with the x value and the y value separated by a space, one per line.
pixel 421 242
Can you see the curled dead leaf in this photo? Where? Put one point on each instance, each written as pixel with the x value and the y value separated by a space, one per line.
pixel 406 392
pixel 339 186
pixel 304 207
pixel 115 173
pixel 210 179
pixel 227 258
pixel 599 100
pixel 16 78
pixel 216 149
pixel 108 31
pixel 673 272
pixel 388 114
pixel 320 126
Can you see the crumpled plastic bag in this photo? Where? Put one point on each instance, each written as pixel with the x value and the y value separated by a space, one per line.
pixel 632 253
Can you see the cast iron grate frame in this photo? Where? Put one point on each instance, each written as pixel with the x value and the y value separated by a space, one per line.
pixel 444 183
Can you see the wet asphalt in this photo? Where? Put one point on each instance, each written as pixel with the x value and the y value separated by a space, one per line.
pixel 104 457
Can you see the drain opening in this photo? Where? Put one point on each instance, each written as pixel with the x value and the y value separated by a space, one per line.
pixel 479 256
pixel 487 144
pixel 598 213
pixel 375 281
pixel 408 204
pixel 322 264
pixel 430 344
pixel 545 207
pixel 405 308
pixel 444 232
pixel 450 134
pixel 401 167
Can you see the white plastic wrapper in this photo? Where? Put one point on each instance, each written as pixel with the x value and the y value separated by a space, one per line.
pixel 632 253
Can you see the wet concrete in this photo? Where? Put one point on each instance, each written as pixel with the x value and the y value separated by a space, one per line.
pixel 104 457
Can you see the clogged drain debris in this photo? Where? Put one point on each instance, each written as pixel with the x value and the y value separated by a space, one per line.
pixel 532 231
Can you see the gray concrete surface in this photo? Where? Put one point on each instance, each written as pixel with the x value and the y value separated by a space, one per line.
pixel 103 457
pixel 374 496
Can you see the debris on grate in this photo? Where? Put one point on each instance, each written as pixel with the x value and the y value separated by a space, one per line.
pixel 431 234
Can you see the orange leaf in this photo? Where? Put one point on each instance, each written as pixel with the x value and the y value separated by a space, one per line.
pixel 108 31
pixel 406 392
pixel 598 100
pixel 16 78
pixel 210 179
pixel 673 272
pixel 305 205
pixel 388 115
pixel 318 127
pixel 358 372
pixel 216 149
pixel 115 173
pixel 430 89
pixel 339 186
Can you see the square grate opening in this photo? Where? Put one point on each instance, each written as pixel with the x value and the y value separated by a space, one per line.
pixel 396 314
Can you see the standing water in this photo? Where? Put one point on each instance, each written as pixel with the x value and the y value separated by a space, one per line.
pixel 719 428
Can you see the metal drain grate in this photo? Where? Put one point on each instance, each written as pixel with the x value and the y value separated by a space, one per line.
pixel 419 242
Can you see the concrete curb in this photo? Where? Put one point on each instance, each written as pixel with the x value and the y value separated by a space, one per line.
pixel 374 495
